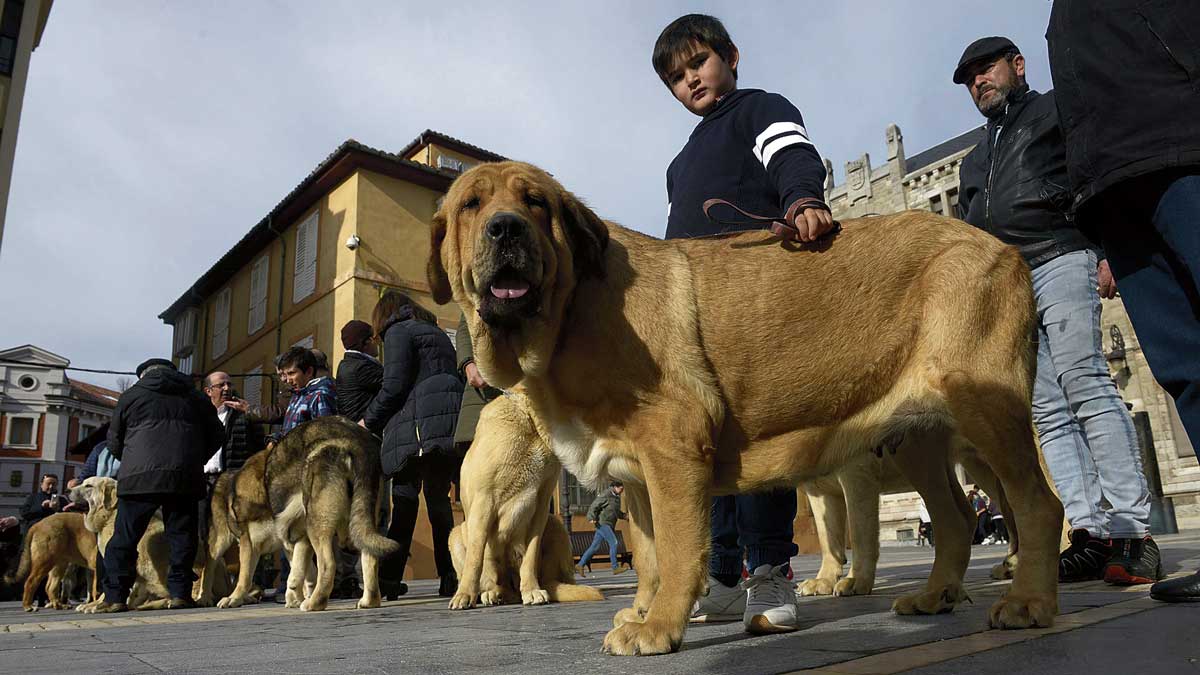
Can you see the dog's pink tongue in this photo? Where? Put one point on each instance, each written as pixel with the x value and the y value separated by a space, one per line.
pixel 507 290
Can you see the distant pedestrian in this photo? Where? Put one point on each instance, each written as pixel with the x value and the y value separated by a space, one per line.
pixel 604 513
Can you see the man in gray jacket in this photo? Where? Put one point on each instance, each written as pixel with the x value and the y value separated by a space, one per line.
pixel 604 513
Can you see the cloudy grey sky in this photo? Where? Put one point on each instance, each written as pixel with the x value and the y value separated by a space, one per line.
pixel 155 134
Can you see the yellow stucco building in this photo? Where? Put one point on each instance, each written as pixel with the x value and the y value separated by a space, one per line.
pixel 354 227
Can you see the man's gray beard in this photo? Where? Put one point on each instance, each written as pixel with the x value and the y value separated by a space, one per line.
pixel 996 105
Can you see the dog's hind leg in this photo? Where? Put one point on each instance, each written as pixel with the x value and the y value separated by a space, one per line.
pixel 924 460
pixel 56 587
pixel 300 559
pixel 982 474
pixel 861 487
pixel 828 505
pixel 39 573
pixel 370 576
pixel 324 545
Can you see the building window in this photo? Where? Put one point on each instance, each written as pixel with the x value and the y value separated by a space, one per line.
pixel 21 431
pixel 86 430
pixel 935 204
pixel 258 294
pixel 220 339
pixel 252 386
pixel 185 332
pixel 579 498
pixel 952 196
pixel 16 478
pixel 10 30
pixel 305 281
pixel 27 382
pixel 185 365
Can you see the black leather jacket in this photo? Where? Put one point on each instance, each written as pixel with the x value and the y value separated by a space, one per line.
pixel 1014 185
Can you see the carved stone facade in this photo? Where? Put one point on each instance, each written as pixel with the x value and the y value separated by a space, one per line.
pixel 929 181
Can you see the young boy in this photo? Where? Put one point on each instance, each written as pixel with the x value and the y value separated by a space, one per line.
pixel 752 150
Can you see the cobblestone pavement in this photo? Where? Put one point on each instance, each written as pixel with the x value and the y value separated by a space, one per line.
pixel 1101 629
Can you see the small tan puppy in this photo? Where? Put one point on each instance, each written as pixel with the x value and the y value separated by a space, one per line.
pixel 509 548
pixel 50 546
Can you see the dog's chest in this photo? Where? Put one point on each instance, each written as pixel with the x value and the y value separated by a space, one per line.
pixel 592 460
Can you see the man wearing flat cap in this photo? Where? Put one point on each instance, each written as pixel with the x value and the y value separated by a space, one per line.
pixel 1014 185
pixel 163 429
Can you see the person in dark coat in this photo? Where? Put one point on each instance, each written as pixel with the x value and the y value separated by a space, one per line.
pixel 604 513
pixel 415 412
pixel 360 374
pixel 242 439
pixel 163 429
pixel 45 502
pixel 476 394
pixel 1126 72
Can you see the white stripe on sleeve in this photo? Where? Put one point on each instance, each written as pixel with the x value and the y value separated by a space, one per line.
pixel 779 144
pixel 773 130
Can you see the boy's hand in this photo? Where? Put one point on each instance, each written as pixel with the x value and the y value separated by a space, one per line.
pixel 1106 286
pixel 812 223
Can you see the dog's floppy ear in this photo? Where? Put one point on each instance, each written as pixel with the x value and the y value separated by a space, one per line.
pixel 439 283
pixel 589 236
pixel 108 494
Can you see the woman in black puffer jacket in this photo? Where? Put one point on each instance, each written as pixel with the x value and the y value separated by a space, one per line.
pixel 415 412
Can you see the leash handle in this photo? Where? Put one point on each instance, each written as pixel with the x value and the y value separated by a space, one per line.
pixel 780 228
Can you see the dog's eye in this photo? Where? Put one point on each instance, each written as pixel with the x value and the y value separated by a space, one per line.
pixel 472 203
pixel 534 200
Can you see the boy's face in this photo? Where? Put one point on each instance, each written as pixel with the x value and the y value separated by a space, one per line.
pixel 700 77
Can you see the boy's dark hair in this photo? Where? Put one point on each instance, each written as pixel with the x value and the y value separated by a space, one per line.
pixel 682 33
pixel 300 357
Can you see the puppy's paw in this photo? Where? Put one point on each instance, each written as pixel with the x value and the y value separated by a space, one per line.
pixel 936 601
pixel 1023 611
pixel 462 601
pixel 853 586
pixel 815 587
pixel 537 596
pixel 293 599
pixel 491 598
pixel 1006 568
pixel 628 615
pixel 313 604
pixel 643 639
pixel 368 602
pixel 231 601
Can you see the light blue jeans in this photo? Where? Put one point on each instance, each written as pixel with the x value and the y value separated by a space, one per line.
pixel 605 534
pixel 1086 433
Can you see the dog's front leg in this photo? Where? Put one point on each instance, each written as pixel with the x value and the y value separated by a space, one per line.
pixel 829 512
pixel 645 559
pixel 532 592
pixel 677 482
pixel 478 529
pixel 248 555
pixel 861 485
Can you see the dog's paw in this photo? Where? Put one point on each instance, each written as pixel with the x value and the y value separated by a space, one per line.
pixel 205 601
pixel 313 604
pixel 1005 569
pixel 231 601
pixel 462 601
pixel 368 602
pixel 537 596
pixel 853 586
pixel 1023 611
pixel 936 601
pixel 491 598
pixel 32 608
pixel 815 587
pixel 628 615
pixel 642 639
pixel 293 599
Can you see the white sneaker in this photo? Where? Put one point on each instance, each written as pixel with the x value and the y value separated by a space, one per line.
pixel 719 603
pixel 771 605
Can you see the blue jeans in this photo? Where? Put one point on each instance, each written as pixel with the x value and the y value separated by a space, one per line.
pixel 603 533
pixel 759 524
pixel 1087 435
pixel 1153 243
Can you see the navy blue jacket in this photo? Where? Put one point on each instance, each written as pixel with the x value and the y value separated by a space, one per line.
pixel 752 150
pixel 416 409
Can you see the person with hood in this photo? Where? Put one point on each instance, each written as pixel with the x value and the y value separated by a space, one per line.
pixel 415 412
pixel 163 429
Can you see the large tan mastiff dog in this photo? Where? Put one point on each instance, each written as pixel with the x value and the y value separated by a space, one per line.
pixel 694 368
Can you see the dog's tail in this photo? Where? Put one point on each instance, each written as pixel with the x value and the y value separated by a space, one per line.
pixel 561 592
pixel 364 504
pixel 26 561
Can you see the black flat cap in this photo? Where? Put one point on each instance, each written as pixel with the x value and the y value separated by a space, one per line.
pixel 983 48
pixel 148 363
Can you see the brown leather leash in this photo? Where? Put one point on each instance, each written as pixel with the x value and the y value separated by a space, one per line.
pixel 780 228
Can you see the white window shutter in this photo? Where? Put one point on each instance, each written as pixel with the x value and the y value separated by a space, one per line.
pixel 220 340
pixel 305 281
pixel 252 388
pixel 258 294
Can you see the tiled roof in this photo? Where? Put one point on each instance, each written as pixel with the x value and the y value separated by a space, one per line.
pixel 429 135
pixel 944 149
pixel 91 393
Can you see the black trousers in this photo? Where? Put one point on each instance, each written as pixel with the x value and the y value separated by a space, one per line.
pixel 133 517
pixel 429 474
